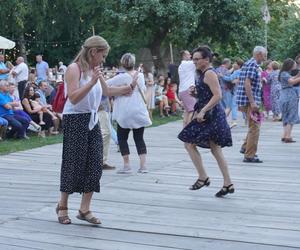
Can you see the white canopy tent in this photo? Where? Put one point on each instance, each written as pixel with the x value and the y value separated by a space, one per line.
pixel 6 44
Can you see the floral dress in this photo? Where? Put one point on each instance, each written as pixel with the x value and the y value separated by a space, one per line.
pixel 266 89
pixel 275 92
pixel 288 100
pixel 215 128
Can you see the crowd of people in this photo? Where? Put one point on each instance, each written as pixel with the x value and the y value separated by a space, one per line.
pixel 26 98
pixel 83 98
pixel 39 92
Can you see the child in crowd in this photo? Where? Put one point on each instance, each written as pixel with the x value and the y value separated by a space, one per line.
pixel 36 104
pixel 172 95
pixel 161 98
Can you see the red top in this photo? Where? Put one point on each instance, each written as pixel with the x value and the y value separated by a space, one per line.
pixel 170 93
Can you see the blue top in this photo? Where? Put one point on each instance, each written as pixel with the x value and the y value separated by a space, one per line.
pixel 284 80
pixel 41 70
pixel 4 99
pixel 105 103
pixel 224 71
pixel 42 96
pixel 235 75
pixel 251 71
pixel 5 75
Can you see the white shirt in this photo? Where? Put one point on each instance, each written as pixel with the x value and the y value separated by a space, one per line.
pixel 89 104
pixel 63 68
pixel 130 111
pixel 22 72
pixel 186 72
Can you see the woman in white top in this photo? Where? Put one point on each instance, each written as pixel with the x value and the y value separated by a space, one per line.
pixel 130 112
pixel 82 157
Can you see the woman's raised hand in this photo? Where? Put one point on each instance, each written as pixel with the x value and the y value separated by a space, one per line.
pixel 193 91
pixel 97 74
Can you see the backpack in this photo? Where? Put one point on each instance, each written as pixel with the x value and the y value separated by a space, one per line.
pixel 59 99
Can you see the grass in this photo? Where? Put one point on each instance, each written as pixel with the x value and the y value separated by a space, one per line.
pixel 10 146
pixel 157 121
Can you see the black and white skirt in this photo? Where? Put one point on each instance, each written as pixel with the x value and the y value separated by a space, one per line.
pixel 82 157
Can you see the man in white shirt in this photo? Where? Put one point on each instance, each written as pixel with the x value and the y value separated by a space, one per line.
pixel 186 72
pixel 62 68
pixel 21 73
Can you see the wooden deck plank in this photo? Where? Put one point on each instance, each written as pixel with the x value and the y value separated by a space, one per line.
pixel 156 211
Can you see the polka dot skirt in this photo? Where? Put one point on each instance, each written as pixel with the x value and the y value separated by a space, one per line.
pixel 82 158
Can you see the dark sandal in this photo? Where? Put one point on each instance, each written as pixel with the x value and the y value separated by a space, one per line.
pixel 83 216
pixel 200 183
pixel 288 140
pixel 225 190
pixel 62 219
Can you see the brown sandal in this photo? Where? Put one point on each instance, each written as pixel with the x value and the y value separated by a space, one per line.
pixel 83 216
pixel 62 219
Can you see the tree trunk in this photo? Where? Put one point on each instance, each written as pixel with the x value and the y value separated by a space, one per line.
pixel 22 47
pixel 155 48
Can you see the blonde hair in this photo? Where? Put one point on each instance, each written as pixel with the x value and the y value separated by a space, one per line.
pixel 84 55
pixel 275 65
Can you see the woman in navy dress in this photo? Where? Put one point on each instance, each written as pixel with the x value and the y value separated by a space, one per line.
pixel 209 128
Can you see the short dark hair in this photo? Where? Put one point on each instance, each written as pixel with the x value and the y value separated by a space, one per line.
pixel 205 52
pixel 286 66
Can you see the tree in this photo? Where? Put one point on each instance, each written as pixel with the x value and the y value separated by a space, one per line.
pixel 152 23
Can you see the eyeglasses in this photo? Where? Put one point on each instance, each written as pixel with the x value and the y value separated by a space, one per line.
pixel 196 59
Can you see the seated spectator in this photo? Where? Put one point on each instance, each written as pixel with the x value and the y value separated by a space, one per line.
pixel 3 128
pixel 29 95
pixel 18 123
pixel 172 96
pixel 43 91
pixel 36 104
pixel 160 98
pixel 18 109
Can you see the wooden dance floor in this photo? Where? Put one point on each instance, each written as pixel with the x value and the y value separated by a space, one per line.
pixel 156 210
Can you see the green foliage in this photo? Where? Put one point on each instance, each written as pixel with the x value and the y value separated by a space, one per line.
pixel 57 28
pixel 284 40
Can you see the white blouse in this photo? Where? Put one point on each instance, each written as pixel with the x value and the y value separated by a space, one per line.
pixel 130 111
pixel 89 104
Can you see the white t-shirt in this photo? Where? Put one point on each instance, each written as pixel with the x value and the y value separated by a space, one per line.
pixel 22 72
pixel 62 69
pixel 130 111
pixel 186 72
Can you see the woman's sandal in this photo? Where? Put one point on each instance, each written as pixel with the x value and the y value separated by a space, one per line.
pixel 200 183
pixel 84 216
pixel 225 190
pixel 288 140
pixel 62 219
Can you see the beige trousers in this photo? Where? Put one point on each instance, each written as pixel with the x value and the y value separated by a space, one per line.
pixel 106 134
pixel 251 141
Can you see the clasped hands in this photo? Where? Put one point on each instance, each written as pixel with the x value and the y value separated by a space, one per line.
pixel 98 74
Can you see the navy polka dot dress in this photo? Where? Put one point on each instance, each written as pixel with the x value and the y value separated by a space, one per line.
pixel 82 161
pixel 215 128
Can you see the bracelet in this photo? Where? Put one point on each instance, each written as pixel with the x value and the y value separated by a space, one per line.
pixel 131 86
